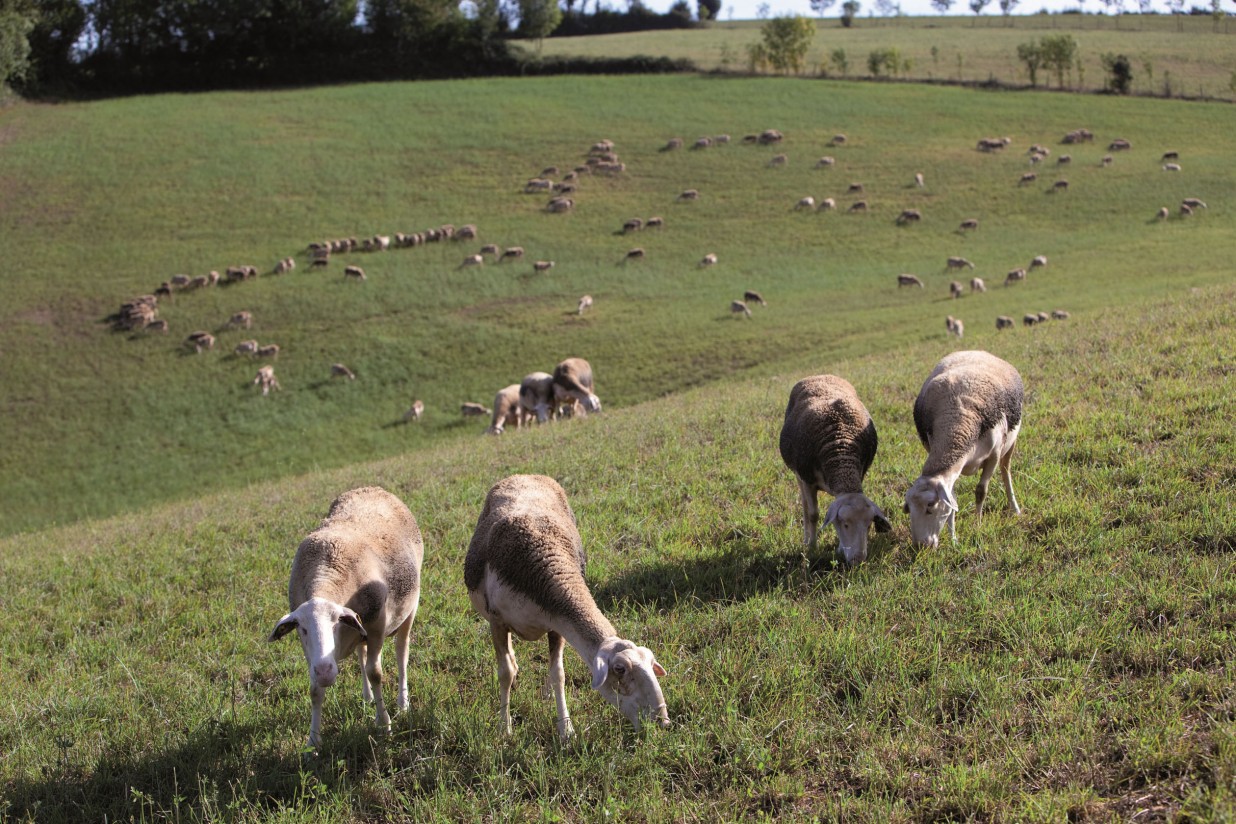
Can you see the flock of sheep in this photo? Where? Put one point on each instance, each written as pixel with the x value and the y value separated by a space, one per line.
pixel 355 580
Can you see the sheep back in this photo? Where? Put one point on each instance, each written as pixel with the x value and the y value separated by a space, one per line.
pixel 966 395
pixel 828 437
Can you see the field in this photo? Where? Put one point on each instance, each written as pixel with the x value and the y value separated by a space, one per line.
pixel 1180 56
pixel 1073 663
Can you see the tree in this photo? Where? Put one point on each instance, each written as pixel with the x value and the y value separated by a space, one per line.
pixel 1007 6
pixel 1119 72
pixel 786 40
pixel 709 9
pixel 839 61
pixel 942 6
pixel 1031 54
pixel 884 61
pixel 977 7
pixel 887 8
pixel 762 11
pixel 1058 52
pixel 821 6
pixel 537 18
pixel 851 8
pixel 15 29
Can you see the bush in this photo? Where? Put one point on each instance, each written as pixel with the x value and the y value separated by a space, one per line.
pixel 786 41
pixel 1119 72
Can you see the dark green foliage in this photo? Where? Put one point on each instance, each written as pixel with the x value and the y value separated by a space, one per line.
pixel 709 9
pixel 1031 53
pixel 849 10
pixel 1058 52
pixel 1119 72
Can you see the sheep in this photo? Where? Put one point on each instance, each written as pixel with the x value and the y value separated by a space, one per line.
pixel 338 370
pixel 472 260
pixel 909 216
pixel 708 259
pixel 1028 177
pixel 1185 210
pixel 1163 213
pixel 355 580
pixel 721 139
pixel 968 224
pixel 1014 276
pixel 179 281
pixel 506 410
pixel 564 189
pixel 1038 149
pixel 828 441
pixel 654 222
pixel 1043 317
pixel 954 326
pixel 473 410
pixel 858 206
pixel 572 379
pixel 1119 144
pixel 958 263
pixel 1063 159
pixel 977 285
pixel 632 225
pixel 1193 203
pixel 1170 156
pixel 769 136
pixel 854 188
pixel 689 194
pixel 672 144
pixel 246 347
pixel 634 254
pixel 779 160
pixel 751 296
pixel 1060 186
pixel 354 272
pixel 1030 318
pixel 838 140
pixel 585 302
pixel 1059 314
pixel 1171 167
pixel 266 379
pixel 1004 322
pixel 968 414
pixel 827 204
pixel 918 179
pixel 240 319
pixel 909 280
pixel 319 262
pixel 156 325
pixel 511 252
pixel 538 184
pixel 536 392
pixel 467 232
pixel 284 265
pixel 702 143
pixel 200 340
pixel 739 308
pixel 824 161
pixel 542 265
pixel 1106 161
pixel 524 572
pixel 955 289
pixel 270 350
pixel 414 411
pixel 807 202
pixel 1038 262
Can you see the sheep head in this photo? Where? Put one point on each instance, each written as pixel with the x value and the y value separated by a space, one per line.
pixel 328 633
pixel 852 514
pixel 626 675
pixel 930 505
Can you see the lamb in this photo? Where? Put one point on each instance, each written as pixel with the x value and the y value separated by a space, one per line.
pixel 1038 262
pixel 414 411
pixel 954 326
pixel 709 259
pixel 240 319
pixel 542 265
pixel 506 410
pixel 354 272
pixel 355 580
pixel 689 194
pixel 584 303
pixel 1014 276
pixel 751 296
pixel 955 289
pixel 572 379
pixel 957 263
pixel 969 223
pixel 968 414
pixel 977 285
pixel 1004 322
pixel 536 393
pixel 338 370
pixel 739 308
pixel 909 280
pixel 909 216
pixel 828 441
pixel 525 574
pixel 807 202
pixel 266 379
pixel 472 410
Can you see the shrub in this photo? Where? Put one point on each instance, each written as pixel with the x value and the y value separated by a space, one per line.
pixel 1119 72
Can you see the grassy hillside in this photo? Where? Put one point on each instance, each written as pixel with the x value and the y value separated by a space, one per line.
pixel 1074 663
pixel 103 201
pixel 1170 56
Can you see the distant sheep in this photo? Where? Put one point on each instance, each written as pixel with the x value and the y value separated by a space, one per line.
pixel 634 254
pixel 824 161
pixel 473 410
pixel 918 179
pixel 807 202
pixel 909 216
pixel 1171 167
pixel 827 204
pixel 1163 213
pixel 1014 276
pixel 672 144
pixel 414 411
pixel 632 225
pixel 1059 314
pixel 542 265
pixel 702 143
pixel 560 205
pixel 507 411
pixel 512 253
pixel 654 222
pixel 909 280
pixel 1028 177
pixel 838 140
pixel 855 188
pixel 1060 186
pixel 1185 210
pixel 1004 322
pixel 958 263
pixel 199 341
pixel 270 350
pixel 750 296
pixel 739 309
pixel 1170 156
pixel 1030 318
pixel 858 206
pixel 338 370
pixel 1119 145
pixel 779 160
pixel 709 259
pixel 1106 161
pixel 538 184
pixel 584 303
pixel 354 272
pixel 769 136
pixel 954 326
pixel 240 320
pixel 472 260
pixel 968 225
pixel 1039 262
pixel 955 289
pixel 1193 203
pixel 285 265
pixel 689 194
pixel 266 380
pixel 246 347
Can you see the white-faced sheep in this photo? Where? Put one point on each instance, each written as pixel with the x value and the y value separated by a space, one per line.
pixel 542 265
pixel 354 272
pixel 968 414
pixel 414 411
pixel 507 411
pixel 807 202
pixel 584 303
pixel 1004 322
pixel 740 309
pixel 828 441
pixel 338 370
pixel 909 280
pixel 473 410
pixel 954 326
pixel 827 204
pixel 536 395
pixel 1014 276
pixel 355 580
pixel 1039 262
pixel 572 381
pixel 918 179
pixel 525 574
pixel 955 289
pixel 709 259
pixel 977 285
pixel 751 296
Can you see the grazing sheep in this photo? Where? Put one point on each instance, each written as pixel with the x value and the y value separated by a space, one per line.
pixel 1170 156
pixel 1119 144
pixel 338 370
pixel 807 202
pixel 672 144
pixel 240 320
pixel 969 223
pixel 632 225
pixel 828 441
pixel 1193 203
pixel 1043 317
pixel 1185 210
pixel 977 285
pixel 854 188
pixel 284 265
pixel 654 222
pixel 246 347
pixel 769 136
pixel 909 216
pixel 200 340
pixel 1063 159
pixel 467 232
pixel 708 259
pixel 414 411
pixel 542 265
pixel 968 414
pixel 779 160
pixel 858 206
pixel 156 325
pixel 525 574
pixel 560 205
pixel 1014 276
pixel 1171 167
pixel 1030 318
pixel 584 303
pixel 1163 213
pixel 491 249
pixel 954 326
pixel 739 308
pixel 1038 262
pixel 1106 161
pixel 955 289
pixel 179 281
pixel 511 253
pixel 1060 186
pixel 536 394
pixel 472 260
pixel 958 263
pixel 572 379
pixel 354 272
pixel 689 194
pixel 909 280
pixel 750 296
pixel 990 144
pixel 702 143
pixel 1079 136
pixel 266 379
pixel 270 350
pixel 827 204
pixel 1059 314
pixel 1028 177
pixel 355 580
pixel 472 410
pixel 538 184
pixel 838 140
pixel 506 410
pixel 319 262
pixel 634 254
pixel 721 139
pixel 1004 322
pixel 918 179
pixel 826 160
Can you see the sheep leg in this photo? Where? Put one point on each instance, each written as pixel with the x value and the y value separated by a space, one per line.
pixel 980 491
pixel 507 670
pixel 373 676
pixel 316 696
pixel 811 513
pixel 366 692
pixel 557 681
pixel 1007 477
pixel 402 636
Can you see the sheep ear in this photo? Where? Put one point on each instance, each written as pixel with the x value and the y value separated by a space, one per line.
pixel 353 620
pixel 905 507
pixel 286 624
pixel 831 515
pixel 950 500
pixel 657 669
pixel 882 524
pixel 600 671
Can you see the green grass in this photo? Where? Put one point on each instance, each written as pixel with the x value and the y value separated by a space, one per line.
pixel 1074 663
pixel 1187 56
pixel 102 201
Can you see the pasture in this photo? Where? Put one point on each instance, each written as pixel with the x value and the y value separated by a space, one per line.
pixel 98 210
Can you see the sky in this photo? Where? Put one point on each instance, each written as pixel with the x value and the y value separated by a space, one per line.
pixel 746 9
